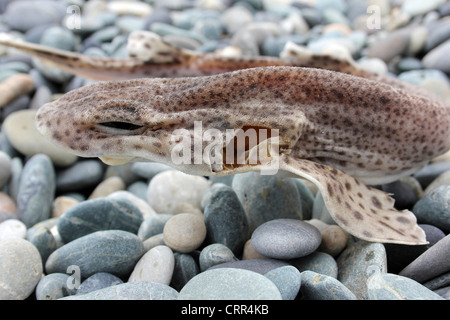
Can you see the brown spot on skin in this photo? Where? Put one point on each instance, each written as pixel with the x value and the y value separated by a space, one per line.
pixel 376 202
pixel 358 215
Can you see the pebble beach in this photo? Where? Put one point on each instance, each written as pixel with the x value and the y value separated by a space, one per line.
pixel 74 228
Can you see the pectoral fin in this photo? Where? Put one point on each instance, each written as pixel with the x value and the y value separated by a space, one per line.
pixel 362 211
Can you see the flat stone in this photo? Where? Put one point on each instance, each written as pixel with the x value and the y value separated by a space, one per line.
pixel 99 214
pixel 388 286
pixel 36 190
pixel 21 269
pixel 156 265
pixel 112 251
pixel 316 286
pixel 229 284
pixel 286 239
pixel 215 254
pixel 318 262
pixel 98 281
pixel 225 219
pixel 52 287
pixel 287 279
pixel 184 232
pixel 142 290
pixel 357 262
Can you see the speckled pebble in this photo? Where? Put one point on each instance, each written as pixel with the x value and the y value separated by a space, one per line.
pixel 156 265
pixel 388 286
pixel 52 287
pixel 286 239
pixel 184 232
pixel 229 284
pixel 112 251
pixel 21 269
pixel 357 262
pixel 334 240
pixel 12 228
pixel 215 254
pixel 98 281
pixel 36 190
pixel 142 290
pixel 168 188
pixel 287 279
pixel 316 286
pixel 433 208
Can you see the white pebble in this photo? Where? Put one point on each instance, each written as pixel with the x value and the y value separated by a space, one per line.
pixel 12 228
pixel 184 232
pixel 155 266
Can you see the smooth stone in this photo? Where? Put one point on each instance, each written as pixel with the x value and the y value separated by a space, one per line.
pixel 15 105
pixel 433 208
pixel 261 266
pixel 334 240
pixel 148 170
pixel 156 265
pixel 358 262
pixel 142 290
pixel 184 232
pixel 153 225
pixel 12 228
pixel 286 239
pixel 112 251
pixel 438 282
pixel 320 210
pixel 287 279
pixel 388 286
pixel 184 270
pixel 249 252
pixel 409 63
pixel 99 214
pixel 52 287
pixel 319 262
pixel 404 195
pixel 430 264
pixel 235 18
pixel 438 33
pixel 443 292
pixel 399 256
pixel 36 190
pixel 42 96
pixel 6 216
pixel 5 168
pixel 168 188
pixel 267 197
pixel 61 204
pixel 107 187
pixel 14 180
pixel 418 7
pixel 431 172
pixel 124 172
pixel 21 269
pixel 59 38
pixel 229 284
pixel 215 254
pixel 306 198
pixel 81 175
pixel 139 189
pixel 389 45
pixel 154 241
pixel 437 58
pixel 132 8
pixel 98 281
pixel 316 286
pixel 44 240
pixel 225 219
pixel 140 203
pixel 442 180
pixel 21 131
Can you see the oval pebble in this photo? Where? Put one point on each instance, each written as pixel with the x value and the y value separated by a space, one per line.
pixel 142 290
pixel 388 286
pixel 98 281
pixel 21 269
pixel 36 190
pixel 81 175
pixel 99 214
pixel 168 188
pixel 318 262
pixel 140 203
pixel 107 187
pixel 52 287
pixel 261 266
pixel 184 232
pixel 43 239
pixel 316 286
pixel 215 254
pixel 185 269
pixel 12 228
pixel 229 284
pixel 286 239
pixel 433 208
pixel 153 225
pixel 61 204
pixel 5 168
pixel 287 279
pixel 112 251
pixel 156 265
pixel 225 219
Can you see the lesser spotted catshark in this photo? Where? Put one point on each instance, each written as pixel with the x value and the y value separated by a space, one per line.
pixel 341 130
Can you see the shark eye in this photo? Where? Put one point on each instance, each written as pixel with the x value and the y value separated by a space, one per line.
pixel 117 127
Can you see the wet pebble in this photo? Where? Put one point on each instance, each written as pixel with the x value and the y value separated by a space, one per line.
pixel 112 251
pixel 229 284
pixel 286 239
pixel 184 232
pixel 98 281
pixel 156 265
pixel 21 268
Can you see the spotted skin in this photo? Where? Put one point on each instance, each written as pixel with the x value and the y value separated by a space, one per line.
pixel 337 130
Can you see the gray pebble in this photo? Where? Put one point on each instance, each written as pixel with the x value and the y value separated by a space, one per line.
pixel 36 190
pixel 229 284
pixel 52 287
pixel 437 58
pixel 287 279
pixel 99 214
pixel 215 254
pixel 433 208
pixel 388 286
pixel 156 265
pixel 185 269
pixel 142 290
pixel 153 225
pixel 316 286
pixel 431 172
pixel 225 219
pixel 82 175
pixel 261 266
pixel 44 241
pixel 286 239
pixel 318 262
pixel 149 169
pixel 98 281
pixel 112 251
pixel 58 37
pixel 5 168
pixel 439 282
